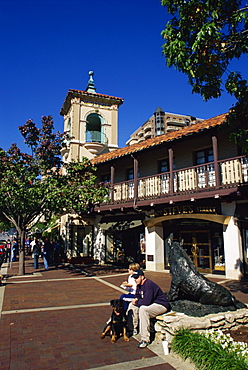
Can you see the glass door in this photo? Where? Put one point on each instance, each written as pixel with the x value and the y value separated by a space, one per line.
pixel 197 244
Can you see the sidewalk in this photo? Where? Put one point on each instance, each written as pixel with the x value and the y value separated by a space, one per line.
pixel 53 320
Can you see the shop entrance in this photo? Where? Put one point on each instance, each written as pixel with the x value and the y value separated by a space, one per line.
pixel 202 240
pixel 197 244
pixel 124 246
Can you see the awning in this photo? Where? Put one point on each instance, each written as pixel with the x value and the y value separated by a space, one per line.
pixel 49 230
pixel 220 219
pixel 108 225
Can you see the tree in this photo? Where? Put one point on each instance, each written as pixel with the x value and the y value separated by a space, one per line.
pixel 5 225
pixel 201 40
pixel 40 185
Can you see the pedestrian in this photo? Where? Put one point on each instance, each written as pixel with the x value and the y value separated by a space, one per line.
pixel 129 285
pixel 8 250
pixel 149 302
pixel 56 253
pixel 14 250
pixel 32 247
pixel 35 250
pixel 47 249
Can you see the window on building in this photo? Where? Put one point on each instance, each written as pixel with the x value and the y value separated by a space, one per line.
pixel 159 122
pixel 130 174
pixel 204 156
pixel 163 165
pixel 69 126
pixel 94 128
pixel 106 178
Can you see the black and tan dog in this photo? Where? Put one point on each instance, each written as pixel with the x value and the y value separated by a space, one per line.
pixel 117 325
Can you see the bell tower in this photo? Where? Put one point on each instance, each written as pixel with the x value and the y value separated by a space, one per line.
pixel 91 121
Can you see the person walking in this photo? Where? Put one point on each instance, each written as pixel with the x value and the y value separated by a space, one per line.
pixel 149 302
pixel 56 253
pixel 15 247
pixel 35 250
pixel 8 250
pixel 47 249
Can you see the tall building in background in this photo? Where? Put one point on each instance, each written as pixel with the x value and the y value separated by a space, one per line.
pixel 160 123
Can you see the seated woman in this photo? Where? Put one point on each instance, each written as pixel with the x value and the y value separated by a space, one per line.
pixel 129 285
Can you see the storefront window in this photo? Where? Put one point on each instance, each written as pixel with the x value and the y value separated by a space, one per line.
pixel 125 244
pixel 218 252
pixel 202 241
pixel 82 240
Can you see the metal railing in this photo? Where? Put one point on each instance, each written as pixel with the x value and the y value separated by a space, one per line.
pixel 96 137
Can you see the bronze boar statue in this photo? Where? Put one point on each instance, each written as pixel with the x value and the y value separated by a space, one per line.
pixel 188 283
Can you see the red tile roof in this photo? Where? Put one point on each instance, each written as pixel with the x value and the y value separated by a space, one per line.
pixel 170 136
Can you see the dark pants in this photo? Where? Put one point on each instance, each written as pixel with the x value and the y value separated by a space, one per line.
pixel 36 261
pixel 14 254
pixel 128 296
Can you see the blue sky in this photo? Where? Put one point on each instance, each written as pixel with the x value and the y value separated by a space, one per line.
pixel 48 47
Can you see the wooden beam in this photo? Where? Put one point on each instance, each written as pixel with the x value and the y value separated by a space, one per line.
pixel 216 165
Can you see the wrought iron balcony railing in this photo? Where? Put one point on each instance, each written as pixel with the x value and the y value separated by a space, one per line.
pixel 96 137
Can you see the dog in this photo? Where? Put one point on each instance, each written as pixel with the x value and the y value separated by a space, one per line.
pixel 117 325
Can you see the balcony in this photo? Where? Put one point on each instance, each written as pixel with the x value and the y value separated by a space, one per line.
pixel 189 181
pixel 96 142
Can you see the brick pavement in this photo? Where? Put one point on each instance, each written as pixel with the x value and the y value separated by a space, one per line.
pixel 53 320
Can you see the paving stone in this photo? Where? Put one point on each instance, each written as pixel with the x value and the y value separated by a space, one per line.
pixel 68 338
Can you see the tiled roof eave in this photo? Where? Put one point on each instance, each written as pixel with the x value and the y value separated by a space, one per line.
pixel 168 137
pixel 85 94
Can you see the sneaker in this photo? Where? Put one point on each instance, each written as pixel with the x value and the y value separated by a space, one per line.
pixel 143 344
pixel 135 331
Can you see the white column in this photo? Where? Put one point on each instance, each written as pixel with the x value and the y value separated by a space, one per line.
pixel 154 248
pixel 232 243
pixel 233 250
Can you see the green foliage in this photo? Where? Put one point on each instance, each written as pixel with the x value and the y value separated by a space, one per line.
pixel 204 353
pixel 227 342
pixel 201 40
pixel 238 115
pixel 5 224
pixel 40 185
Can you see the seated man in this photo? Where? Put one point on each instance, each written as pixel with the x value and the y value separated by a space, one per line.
pixel 149 302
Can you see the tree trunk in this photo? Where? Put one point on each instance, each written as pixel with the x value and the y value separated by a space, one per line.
pixel 22 253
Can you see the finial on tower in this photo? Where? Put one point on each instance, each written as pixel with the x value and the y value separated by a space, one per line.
pixel 91 85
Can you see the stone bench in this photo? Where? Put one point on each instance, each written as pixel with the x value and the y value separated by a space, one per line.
pixel 166 325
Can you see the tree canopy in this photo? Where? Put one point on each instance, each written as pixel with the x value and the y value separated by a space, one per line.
pixel 201 40
pixel 40 185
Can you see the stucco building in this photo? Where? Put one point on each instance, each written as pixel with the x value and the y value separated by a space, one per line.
pixel 190 181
